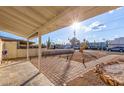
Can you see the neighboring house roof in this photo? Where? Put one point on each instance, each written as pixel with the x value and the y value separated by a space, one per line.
pixel 12 39
pixel 9 39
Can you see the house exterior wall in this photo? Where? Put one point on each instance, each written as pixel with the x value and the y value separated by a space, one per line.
pixel 1 46
pixel 14 52
pixel 11 49
pixel 117 42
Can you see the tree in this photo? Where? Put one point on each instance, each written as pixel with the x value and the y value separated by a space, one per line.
pixel 48 43
pixel 84 44
pixel 43 46
pixel 74 41
pixel 95 46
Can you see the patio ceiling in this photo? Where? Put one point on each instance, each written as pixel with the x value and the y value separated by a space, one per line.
pixel 28 21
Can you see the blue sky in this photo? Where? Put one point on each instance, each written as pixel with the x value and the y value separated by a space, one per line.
pixel 103 27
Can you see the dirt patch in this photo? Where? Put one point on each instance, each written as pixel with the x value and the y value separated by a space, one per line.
pixel 112 72
pixel 88 55
pixel 89 79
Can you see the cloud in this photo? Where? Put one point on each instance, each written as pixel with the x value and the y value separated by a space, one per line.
pixel 86 28
pixel 95 26
pixel 119 8
pixel 116 36
pixel 110 12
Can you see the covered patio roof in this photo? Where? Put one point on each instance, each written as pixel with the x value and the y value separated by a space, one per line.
pixel 28 21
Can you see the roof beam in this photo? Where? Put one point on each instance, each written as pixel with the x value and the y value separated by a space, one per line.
pixel 10 30
pixel 13 29
pixel 34 34
pixel 11 19
pixel 31 14
pixel 15 26
pixel 20 16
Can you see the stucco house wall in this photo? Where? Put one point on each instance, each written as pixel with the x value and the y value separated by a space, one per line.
pixel 117 42
pixel 14 52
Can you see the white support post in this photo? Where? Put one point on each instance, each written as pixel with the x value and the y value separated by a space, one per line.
pixel 27 49
pixel 1 49
pixel 39 51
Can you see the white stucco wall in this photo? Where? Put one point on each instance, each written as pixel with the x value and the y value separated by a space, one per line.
pixel 117 42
